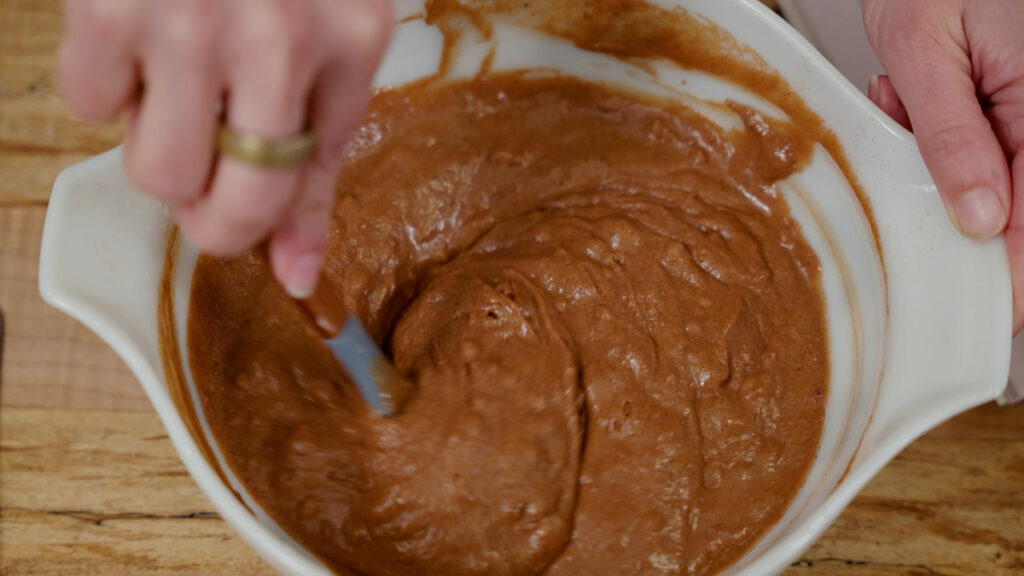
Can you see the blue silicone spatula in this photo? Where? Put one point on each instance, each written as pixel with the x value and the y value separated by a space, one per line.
pixel 382 387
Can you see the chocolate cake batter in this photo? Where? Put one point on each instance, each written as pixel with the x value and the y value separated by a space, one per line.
pixel 615 330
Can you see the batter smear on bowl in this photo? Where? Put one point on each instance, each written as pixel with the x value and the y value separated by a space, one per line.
pixel 615 329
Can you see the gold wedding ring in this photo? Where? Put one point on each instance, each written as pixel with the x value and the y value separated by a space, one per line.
pixel 259 150
pixel 266 152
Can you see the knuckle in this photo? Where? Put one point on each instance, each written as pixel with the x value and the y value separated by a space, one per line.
pixel 950 140
pixel 279 28
pixel 190 27
pixel 1011 125
pixel 104 19
pixel 274 43
pixel 378 26
pixel 909 31
pixel 366 30
pixel 906 16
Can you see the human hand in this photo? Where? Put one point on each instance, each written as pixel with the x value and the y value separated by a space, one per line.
pixel 275 67
pixel 956 74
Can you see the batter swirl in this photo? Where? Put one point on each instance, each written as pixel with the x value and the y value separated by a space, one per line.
pixel 616 332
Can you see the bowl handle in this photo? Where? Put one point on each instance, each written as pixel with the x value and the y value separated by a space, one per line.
pixel 948 340
pixel 103 252
pixel 101 260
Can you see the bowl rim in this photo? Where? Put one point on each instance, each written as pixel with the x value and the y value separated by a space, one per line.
pixel 65 228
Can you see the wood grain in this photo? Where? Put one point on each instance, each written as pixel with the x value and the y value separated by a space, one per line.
pixel 94 492
pixel 49 359
pixel 90 484
pixel 104 490
pixel 950 504
pixel 37 135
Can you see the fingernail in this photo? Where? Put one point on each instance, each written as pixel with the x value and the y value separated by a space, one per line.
pixel 979 213
pixel 303 275
pixel 873 85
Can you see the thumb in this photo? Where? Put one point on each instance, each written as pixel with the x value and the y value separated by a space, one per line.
pixel 963 155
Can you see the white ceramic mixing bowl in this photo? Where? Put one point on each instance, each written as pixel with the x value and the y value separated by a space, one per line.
pixel 912 343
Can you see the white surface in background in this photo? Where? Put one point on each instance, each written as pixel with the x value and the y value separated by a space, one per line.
pixel 836 29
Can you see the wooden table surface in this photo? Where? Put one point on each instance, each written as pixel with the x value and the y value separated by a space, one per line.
pixel 90 484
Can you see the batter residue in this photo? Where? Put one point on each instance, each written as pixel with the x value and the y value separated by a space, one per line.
pixel 615 329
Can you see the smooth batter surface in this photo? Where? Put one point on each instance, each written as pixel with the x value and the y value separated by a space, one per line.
pixel 616 333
